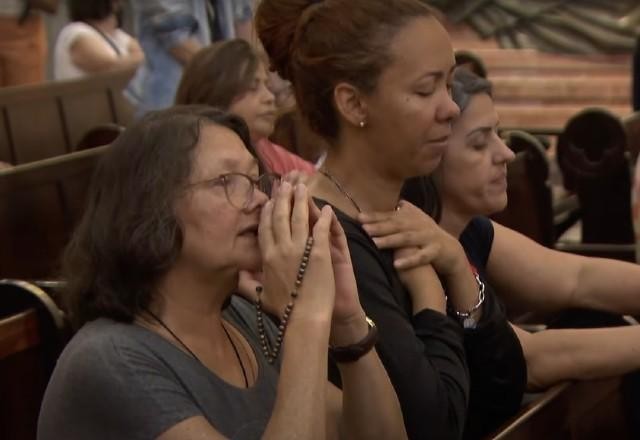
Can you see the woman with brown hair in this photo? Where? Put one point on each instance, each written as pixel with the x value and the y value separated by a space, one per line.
pixel 372 77
pixel 230 75
pixel 176 209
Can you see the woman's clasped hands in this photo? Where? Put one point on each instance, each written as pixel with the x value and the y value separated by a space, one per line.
pixel 422 252
pixel 328 291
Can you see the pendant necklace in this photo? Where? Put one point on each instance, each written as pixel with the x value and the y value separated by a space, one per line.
pixel 226 332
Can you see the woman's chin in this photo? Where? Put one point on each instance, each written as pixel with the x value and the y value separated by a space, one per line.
pixel 497 206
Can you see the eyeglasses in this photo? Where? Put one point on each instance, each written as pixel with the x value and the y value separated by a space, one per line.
pixel 239 188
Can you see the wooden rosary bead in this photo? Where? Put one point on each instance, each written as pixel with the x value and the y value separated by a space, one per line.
pixel 269 353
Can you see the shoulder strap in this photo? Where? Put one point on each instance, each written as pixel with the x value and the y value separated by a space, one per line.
pixel 107 39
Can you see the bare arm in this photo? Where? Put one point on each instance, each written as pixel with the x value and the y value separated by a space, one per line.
pixel 530 276
pixel 185 50
pixel 134 48
pixel 91 54
pixel 246 31
pixel 369 407
pixel 557 355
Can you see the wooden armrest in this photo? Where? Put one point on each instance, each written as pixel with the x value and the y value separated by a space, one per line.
pixel 540 411
pixel 545 131
pixel 570 410
pixel 19 332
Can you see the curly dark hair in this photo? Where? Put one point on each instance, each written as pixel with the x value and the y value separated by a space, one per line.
pixel 129 235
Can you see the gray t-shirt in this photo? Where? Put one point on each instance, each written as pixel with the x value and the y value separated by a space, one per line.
pixel 122 381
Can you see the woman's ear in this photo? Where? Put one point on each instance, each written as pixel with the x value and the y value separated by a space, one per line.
pixel 350 105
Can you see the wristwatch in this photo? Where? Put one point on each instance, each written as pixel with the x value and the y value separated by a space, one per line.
pixel 353 352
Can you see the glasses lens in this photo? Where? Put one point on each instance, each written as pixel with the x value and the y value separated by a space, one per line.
pixel 238 188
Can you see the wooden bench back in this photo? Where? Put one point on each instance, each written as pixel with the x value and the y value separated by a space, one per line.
pixel 632 127
pixel 590 410
pixel 46 120
pixel 32 333
pixel 593 160
pixel 40 203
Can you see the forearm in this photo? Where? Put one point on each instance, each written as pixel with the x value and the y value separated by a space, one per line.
pixel 608 285
pixel 300 407
pixel 184 51
pixel 370 407
pixel 426 289
pixel 126 63
pixel 557 355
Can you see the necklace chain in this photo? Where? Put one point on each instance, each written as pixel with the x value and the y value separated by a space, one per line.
pixel 337 184
pixel 344 192
pixel 226 332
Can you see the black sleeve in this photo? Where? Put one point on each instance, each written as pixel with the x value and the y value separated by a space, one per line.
pixel 423 355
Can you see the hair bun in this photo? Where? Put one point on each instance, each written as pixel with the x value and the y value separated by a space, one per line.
pixel 278 23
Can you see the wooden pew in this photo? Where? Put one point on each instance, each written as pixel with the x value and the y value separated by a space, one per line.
pixel 530 210
pixel 19 365
pixel 46 120
pixel 590 410
pixel 32 333
pixel 103 134
pixel 40 203
pixel 592 157
pixel 632 128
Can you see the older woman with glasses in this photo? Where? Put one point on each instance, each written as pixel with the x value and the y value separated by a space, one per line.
pixel 176 210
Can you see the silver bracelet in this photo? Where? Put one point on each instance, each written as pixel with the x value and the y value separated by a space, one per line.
pixel 469 312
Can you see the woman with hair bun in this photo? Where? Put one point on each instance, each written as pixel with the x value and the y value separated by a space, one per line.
pixel 372 77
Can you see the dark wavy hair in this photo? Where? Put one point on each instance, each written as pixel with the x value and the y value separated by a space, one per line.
pixel 129 235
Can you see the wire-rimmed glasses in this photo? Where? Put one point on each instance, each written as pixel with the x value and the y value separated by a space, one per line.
pixel 239 187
